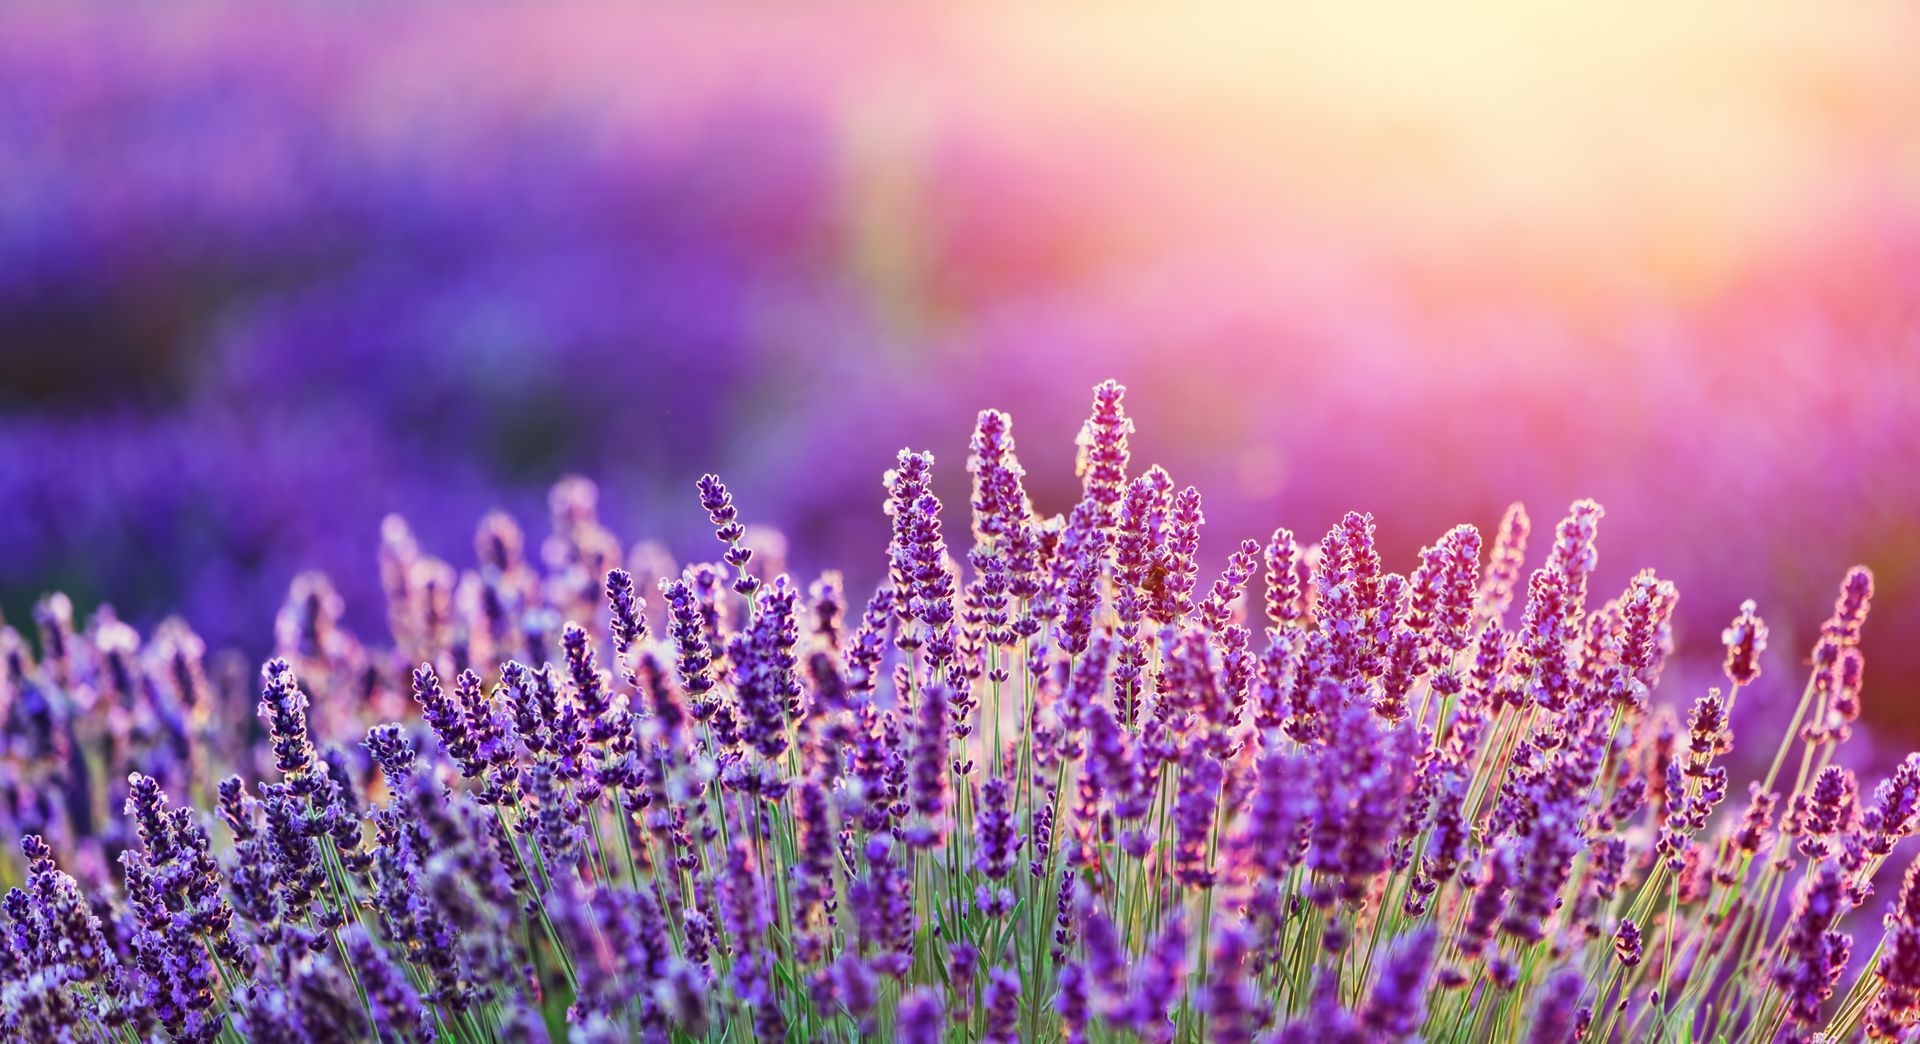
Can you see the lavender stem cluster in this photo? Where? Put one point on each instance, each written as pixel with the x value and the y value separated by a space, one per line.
pixel 1054 785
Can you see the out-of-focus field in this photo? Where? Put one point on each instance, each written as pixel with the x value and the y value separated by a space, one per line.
pixel 269 274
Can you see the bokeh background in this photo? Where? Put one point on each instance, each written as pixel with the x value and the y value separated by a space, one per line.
pixel 269 274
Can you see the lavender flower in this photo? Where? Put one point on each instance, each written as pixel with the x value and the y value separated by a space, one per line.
pixel 1745 639
pixel 1102 463
pixel 753 838
pixel 1557 1018
pixel 1285 580
pixel 694 654
pixel 1897 1006
pixel 396 1007
pixel 727 528
pixel 922 1020
pixel 1398 1004
pixel 1175 563
pixel 995 839
pixel 1626 942
pixel 1503 571
pixel 1002 1007
pixel 1200 781
pixel 1814 954
pixel 283 706
pixel 930 753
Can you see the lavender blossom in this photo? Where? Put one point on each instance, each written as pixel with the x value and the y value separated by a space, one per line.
pixel 1386 817
pixel 922 1020
pixel 283 706
pixel 995 838
pixel 1102 463
pixel 1398 1004
pixel 1745 639
pixel 1557 1018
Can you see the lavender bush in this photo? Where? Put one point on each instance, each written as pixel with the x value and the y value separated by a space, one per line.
pixel 266 277
pixel 1046 783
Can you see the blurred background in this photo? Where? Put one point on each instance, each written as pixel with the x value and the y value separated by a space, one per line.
pixel 267 275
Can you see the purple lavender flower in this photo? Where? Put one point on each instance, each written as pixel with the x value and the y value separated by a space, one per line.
pixel 1001 511
pixel 922 1019
pixel 283 706
pixel 396 1007
pixel 589 682
pixel 920 564
pixel 1626 942
pixel 1813 954
pixel 930 752
pixel 882 905
pixel 1070 1000
pixel 1102 464
pixel 1325 1019
pixel 1547 630
pixel 1648 604
pixel 995 839
pixel 1200 781
pixel 727 528
pixel 1175 564
pixel 1398 1005
pixel 694 656
pixel 1745 639
pixel 442 714
pixel 1160 979
pixel 1503 571
pixel 1273 832
pixel 1573 556
pixel 1897 1006
pixel 1558 1016
pixel 1285 580
pixel 813 890
pixel 854 985
pixel 763 673
pixel 1233 1003
pixel 1002 1007
pixel 1829 810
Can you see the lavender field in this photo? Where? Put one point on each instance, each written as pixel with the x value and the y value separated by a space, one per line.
pixel 373 388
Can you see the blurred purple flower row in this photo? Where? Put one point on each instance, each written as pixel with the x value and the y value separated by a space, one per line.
pixel 258 292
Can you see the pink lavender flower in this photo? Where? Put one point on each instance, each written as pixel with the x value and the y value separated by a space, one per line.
pixel 1001 511
pixel 1745 639
pixel 1175 564
pixel 1102 464
pixel 1285 580
pixel 1547 630
pixel 1504 566
pixel 1850 609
